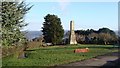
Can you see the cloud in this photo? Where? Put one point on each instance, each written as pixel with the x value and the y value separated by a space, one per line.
pixel 63 4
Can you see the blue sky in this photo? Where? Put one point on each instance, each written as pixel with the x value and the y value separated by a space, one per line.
pixel 86 15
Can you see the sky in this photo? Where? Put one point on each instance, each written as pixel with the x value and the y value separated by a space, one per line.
pixel 86 15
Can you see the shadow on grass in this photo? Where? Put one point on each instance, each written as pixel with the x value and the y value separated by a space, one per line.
pixel 29 50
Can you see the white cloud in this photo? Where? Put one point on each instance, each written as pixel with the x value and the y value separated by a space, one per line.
pixel 63 4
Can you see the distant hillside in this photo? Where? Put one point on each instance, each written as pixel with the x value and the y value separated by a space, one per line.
pixel 33 34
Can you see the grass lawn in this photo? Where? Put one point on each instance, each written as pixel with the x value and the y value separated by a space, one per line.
pixel 56 55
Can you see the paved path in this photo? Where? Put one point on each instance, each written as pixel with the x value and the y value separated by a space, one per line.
pixel 105 60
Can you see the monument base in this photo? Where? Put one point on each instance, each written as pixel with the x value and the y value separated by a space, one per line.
pixel 73 42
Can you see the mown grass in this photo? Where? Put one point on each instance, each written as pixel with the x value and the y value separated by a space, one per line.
pixel 56 55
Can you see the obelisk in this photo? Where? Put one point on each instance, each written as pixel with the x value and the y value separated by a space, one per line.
pixel 72 37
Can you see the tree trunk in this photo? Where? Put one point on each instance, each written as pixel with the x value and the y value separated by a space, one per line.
pixel 21 54
pixel 105 42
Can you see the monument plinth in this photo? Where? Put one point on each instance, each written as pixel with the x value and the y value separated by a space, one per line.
pixel 72 38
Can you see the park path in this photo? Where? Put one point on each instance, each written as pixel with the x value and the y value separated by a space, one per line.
pixel 100 61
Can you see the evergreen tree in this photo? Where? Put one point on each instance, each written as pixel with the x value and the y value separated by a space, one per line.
pixel 52 29
pixel 12 15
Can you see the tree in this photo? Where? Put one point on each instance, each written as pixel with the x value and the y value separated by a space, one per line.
pixel 105 37
pixel 108 36
pixel 12 15
pixel 93 38
pixel 106 30
pixel 52 29
pixel 101 36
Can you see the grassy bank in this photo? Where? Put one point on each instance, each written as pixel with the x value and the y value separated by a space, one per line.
pixel 56 55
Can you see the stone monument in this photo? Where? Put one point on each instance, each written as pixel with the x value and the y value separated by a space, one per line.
pixel 72 37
